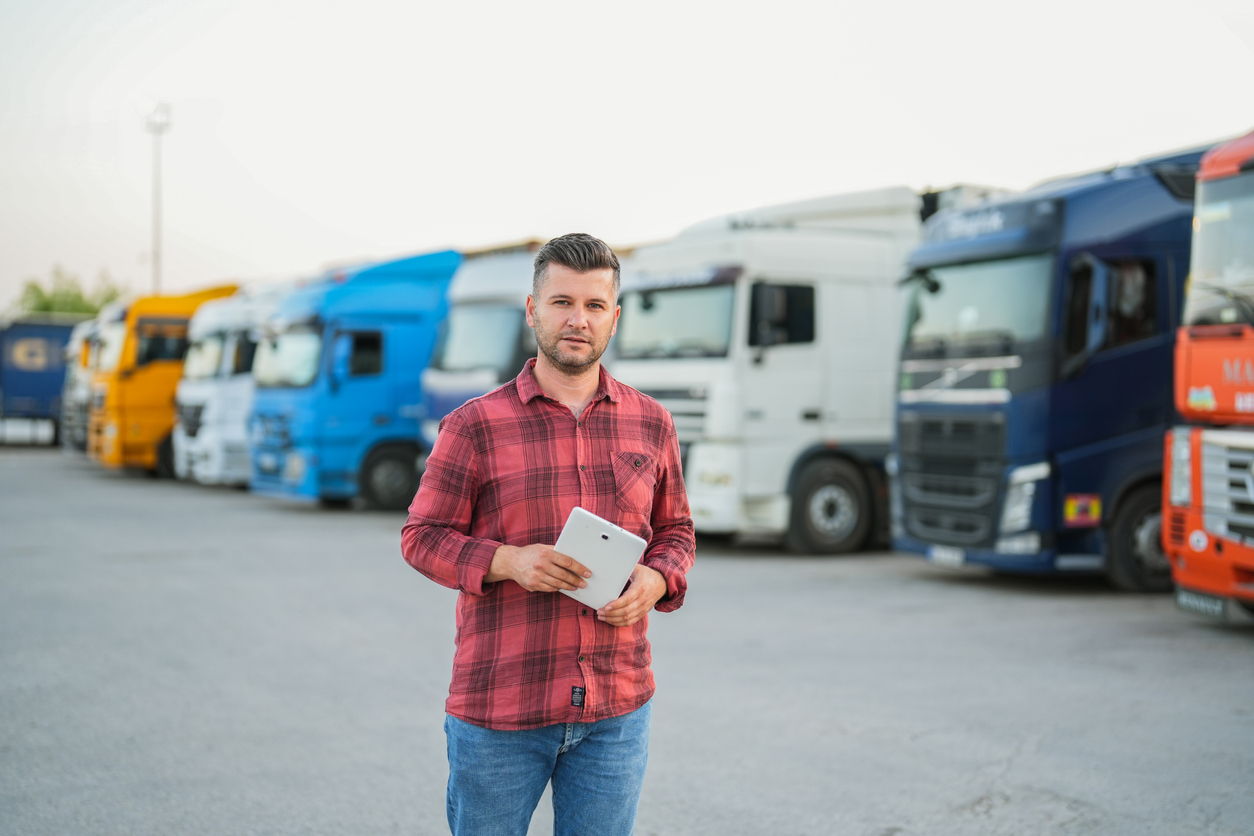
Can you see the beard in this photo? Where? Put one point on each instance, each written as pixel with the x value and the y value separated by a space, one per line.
pixel 565 362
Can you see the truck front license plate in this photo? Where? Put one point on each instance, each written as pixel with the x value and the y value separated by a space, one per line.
pixel 1201 604
pixel 946 555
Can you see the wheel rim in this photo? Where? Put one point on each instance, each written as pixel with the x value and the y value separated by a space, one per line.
pixel 1148 546
pixel 389 481
pixel 832 512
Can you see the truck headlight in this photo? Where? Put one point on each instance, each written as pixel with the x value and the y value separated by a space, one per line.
pixel 294 467
pixel 1016 513
pixel 1181 467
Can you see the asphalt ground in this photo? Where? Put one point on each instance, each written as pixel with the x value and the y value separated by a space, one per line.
pixel 180 659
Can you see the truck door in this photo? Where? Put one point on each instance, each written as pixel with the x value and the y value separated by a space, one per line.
pixel 359 406
pixel 1114 395
pixel 782 383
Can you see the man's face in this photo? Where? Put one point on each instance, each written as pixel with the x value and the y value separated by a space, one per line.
pixel 574 316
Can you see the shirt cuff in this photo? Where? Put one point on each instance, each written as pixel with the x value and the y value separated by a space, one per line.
pixel 676 583
pixel 473 565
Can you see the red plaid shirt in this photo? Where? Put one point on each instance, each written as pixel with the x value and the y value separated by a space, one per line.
pixel 507 468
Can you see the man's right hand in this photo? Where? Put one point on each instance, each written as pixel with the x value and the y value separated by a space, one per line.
pixel 537 568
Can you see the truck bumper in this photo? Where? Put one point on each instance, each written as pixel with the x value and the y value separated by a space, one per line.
pixel 1045 561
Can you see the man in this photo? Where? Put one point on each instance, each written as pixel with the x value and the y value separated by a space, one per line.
pixel 543 687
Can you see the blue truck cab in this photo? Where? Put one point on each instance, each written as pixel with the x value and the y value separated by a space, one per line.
pixel 337 407
pixel 32 367
pixel 1035 376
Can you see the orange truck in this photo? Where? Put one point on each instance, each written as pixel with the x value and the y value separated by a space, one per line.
pixel 138 365
pixel 1208 489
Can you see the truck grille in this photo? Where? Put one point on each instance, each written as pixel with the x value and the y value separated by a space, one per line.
pixel 189 417
pixel 274 430
pixel 1228 490
pixel 687 407
pixel 951 466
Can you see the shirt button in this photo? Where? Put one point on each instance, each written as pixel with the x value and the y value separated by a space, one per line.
pixel 581 467
pixel 585 612
pixel 637 462
pixel 580 658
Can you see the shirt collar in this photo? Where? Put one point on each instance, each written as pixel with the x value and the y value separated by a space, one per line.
pixel 529 389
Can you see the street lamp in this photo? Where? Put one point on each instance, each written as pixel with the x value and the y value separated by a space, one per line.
pixel 157 123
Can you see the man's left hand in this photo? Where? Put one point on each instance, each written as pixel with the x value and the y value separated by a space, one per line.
pixel 646 588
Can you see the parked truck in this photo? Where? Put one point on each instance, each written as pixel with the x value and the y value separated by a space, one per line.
pixel 485 340
pixel 1035 376
pixel 338 402
pixel 215 395
pixel 769 335
pixel 138 364
pixel 1208 491
pixel 79 358
pixel 32 367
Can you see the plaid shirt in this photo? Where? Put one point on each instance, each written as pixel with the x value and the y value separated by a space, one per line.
pixel 507 468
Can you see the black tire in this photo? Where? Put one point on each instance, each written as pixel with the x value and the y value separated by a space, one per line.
pixel 1248 606
pixel 334 503
pixel 831 509
pixel 389 478
pixel 1135 561
pixel 164 468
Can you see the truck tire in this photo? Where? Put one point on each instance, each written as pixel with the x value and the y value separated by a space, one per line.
pixel 1135 560
pixel 164 469
pixel 389 478
pixel 831 509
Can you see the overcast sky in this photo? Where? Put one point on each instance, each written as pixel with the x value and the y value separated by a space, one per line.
pixel 307 133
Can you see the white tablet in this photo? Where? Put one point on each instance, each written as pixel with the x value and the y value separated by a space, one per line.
pixel 608 551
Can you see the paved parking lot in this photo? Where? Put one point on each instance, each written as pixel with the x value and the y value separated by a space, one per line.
pixel 177 659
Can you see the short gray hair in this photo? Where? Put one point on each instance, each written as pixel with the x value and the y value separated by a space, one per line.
pixel 578 251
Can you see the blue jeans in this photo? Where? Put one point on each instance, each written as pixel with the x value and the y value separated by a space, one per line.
pixel 496 778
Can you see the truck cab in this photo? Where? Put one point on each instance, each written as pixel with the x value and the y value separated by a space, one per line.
pixel 338 402
pixel 485 341
pixel 79 356
pixel 1208 494
pixel 1034 383
pixel 138 366
pixel 769 335
pixel 215 395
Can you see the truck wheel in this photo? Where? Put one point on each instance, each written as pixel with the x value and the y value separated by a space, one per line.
pixel 831 509
pixel 164 468
pixel 1248 606
pixel 1135 560
pixel 389 478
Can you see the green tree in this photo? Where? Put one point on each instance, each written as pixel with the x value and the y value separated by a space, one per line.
pixel 64 294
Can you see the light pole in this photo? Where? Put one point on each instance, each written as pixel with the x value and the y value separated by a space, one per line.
pixel 157 123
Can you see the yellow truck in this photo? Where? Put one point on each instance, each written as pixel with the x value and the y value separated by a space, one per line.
pixel 138 366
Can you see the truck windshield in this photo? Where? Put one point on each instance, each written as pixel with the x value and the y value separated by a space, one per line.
pixel 676 322
pixel 480 336
pixel 983 307
pixel 204 358
pixel 289 358
pixel 1221 275
pixel 110 340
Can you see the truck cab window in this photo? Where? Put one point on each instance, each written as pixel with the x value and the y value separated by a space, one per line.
pixel 245 351
pixel 367 356
pixel 781 314
pixel 160 340
pixel 1133 312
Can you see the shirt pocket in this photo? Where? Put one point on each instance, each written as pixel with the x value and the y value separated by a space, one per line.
pixel 635 475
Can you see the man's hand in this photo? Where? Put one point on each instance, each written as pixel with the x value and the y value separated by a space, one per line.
pixel 646 588
pixel 537 568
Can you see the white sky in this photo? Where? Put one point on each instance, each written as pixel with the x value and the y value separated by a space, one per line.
pixel 309 132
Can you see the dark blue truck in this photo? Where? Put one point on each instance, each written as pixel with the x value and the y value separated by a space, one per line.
pixel 1035 377
pixel 32 367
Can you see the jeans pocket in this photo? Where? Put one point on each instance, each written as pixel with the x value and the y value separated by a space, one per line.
pixel 635 475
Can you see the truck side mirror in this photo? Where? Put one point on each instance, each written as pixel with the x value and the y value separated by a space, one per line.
pixel 341 354
pixel 1091 274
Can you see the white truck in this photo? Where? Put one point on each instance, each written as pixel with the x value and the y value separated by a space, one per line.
pixel 772 336
pixel 485 339
pixel 215 394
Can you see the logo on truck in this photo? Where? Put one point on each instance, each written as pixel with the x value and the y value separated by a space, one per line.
pixel 1239 371
pixel 29 355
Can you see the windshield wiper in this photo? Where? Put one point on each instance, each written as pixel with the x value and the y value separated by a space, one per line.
pixel 1241 301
